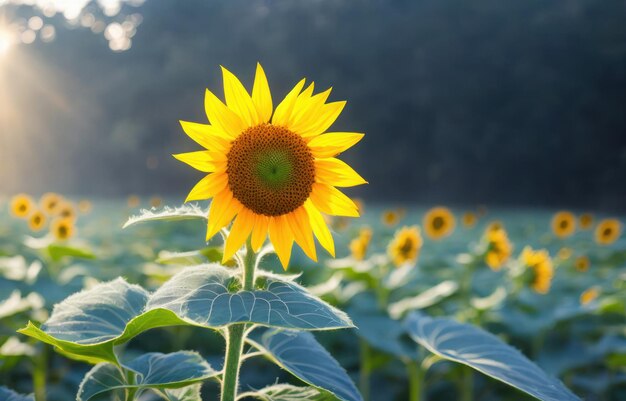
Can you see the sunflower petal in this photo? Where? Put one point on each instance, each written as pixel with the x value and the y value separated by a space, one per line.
pixel 221 116
pixel 331 144
pixel 281 238
pixel 284 109
pixel 223 208
pixel 239 233
pixel 302 99
pixel 330 200
pixel 238 99
pixel 259 232
pixel 208 187
pixel 301 228
pixel 320 229
pixel 327 116
pixel 203 160
pixel 337 173
pixel 207 136
pixel 309 112
pixel 261 95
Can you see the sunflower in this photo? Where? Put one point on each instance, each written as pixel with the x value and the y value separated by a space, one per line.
pixel 133 201
pixel 563 224
pixel 37 220
pixel 66 210
pixel 390 218
pixel 469 219
pixel 85 206
pixel 439 222
pixel 585 221
pixel 405 246
pixel 62 228
pixel 608 231
pixel 582 263
pixel 156 201
pixel 360 244
pixel 540 264
pixel 272 170
pixel 21 205
pixel 50 202
pixel 495 226
pixel 499 247
pixel 564 253
pixel 589 295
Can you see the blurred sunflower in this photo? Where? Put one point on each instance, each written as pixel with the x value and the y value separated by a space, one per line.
pixel 272 171
pixel 469 219
pixel 390 218
pixel 133 201
pixel 582 263
pixel 360 244
pixel 37 221
pixel 495 226
pixel 21 205
pixel 585 221
pixel 438 223
pixel 62 228
pixel 50 202
pixel 563 224
pixel 66 210
pixel 608 231
pixel 360 205
pixel 499 247
pixel 564 253
pixel 589 295
pixel 156 201
pixel 540 264
pixel 405 246
pixel 84 206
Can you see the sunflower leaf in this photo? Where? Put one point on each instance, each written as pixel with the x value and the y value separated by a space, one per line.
pixel 185 212
pixel 7 394
pixel 486 353
pixel 288 392
pixel 300 354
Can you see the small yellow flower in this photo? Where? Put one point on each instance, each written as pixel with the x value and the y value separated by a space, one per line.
pixel 564 253
pixel 589 295
pixel 495 225
pixel 469 219
pixel 85 206
pixel 499 248
pixel 66 210
pixel 405 246
pixel 438 223
pixel 21 205
pixel 582 263
pixel 62 228
pixel 541 265
pixel 585 221
pixel 390 218
pixel 272 170
pixel 360 205
pixel 563 224
pixel 133 201
pixel 36 221
pixel 608 231
pixel 156 201
pixel 50 202
pixel 360 244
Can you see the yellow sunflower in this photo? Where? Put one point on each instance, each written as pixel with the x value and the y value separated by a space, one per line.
pixel 62 228
pixel 564 253
pixel 469 219
pixel 37 220
pixel 405 246
pixel 360 244
pixel 133 201
pixel 21 205
pixel 582 263
pixel 608 231
pixel 156 201
pixel 272 170
pixel 589 295
pixel 439 222
pixel 390 218
pixel 50 202
pixel 585 221
pixel 499 247
pixel 563 224
pixel 66 210
pixel 542 269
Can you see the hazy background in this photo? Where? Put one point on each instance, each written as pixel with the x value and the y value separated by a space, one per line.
pixel 518 103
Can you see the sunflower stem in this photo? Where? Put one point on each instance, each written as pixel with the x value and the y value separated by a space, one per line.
pixel 416 380
pixel 366 370
pixel 235 334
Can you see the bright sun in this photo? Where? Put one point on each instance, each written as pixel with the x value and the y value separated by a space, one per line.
pixel 6 42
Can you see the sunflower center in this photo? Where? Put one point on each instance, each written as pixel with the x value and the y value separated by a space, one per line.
pixel 438 222
pixel 270 170
pixel 564 224
pixel 607 231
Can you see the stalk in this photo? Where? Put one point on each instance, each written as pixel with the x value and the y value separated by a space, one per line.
pixel 416 380
pixel 235 334
pixel 40 373
pixel 366 370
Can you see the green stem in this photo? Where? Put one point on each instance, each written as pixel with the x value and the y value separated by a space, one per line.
pixel 40 373
pixel 235 334
pixel 416 380
pixel 467 384
pixel 366 370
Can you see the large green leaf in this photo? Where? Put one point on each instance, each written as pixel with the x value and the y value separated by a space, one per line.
pixel 185 212
pixel 301 355
pixel 188 393
pixel 486 353
pixel 10 395
pixel 288 392
pixel 153 370
pixel 88 325
pixel 423 300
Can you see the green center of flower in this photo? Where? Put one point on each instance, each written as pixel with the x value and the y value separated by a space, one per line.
pixel 270 170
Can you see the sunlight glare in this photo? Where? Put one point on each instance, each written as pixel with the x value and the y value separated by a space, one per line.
pixel 6 42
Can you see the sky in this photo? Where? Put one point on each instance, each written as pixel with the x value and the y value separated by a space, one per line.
pixel 462 102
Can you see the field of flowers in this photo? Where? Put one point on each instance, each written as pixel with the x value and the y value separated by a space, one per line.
pixel 459 303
